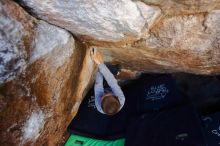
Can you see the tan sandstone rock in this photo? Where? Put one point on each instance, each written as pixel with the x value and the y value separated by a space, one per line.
pixel 105 20
pixel 43 77
pixel 45 72
pixel 179 7
pixel 176 42
pixel 180 36
pixel 187 43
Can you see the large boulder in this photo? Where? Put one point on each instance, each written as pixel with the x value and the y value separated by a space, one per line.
pixel 105 20
pixel 176 7
pixel 176 43
pixel 164 36
pixel 43 74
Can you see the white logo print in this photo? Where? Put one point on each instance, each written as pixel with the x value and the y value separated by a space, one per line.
pixel 216 131
pixel 157 92
pixel 91 102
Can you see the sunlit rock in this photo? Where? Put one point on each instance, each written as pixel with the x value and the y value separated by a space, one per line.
pixel 184 43
pixel 104 20
pixel 175 7
pixel 43 78
pixel 45 72
pixel 15 35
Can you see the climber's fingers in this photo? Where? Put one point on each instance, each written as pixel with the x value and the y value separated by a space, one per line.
pixel 93 51
pixel 96 56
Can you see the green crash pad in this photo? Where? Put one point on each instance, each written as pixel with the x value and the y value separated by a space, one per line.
pixel 76 140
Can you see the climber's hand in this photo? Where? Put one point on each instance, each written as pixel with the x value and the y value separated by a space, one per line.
pixel 96 56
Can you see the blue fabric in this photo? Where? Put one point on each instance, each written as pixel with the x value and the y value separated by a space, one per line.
pixel 212 129
pixel 156 92
pixel 174 127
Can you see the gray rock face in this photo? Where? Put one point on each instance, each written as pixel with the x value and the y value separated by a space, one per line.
pixel 47 39
pixel 104 20
pixel 12 53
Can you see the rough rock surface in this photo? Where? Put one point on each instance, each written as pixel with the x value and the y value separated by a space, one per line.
pixel 40 95
pixel 183 43
pixel 104 20
pixel 178 43
pixel 178 37
pixel 176 7
pixel 14 41
pixel 45 72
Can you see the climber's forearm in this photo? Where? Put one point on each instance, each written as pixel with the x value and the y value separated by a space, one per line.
pixel 112 82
